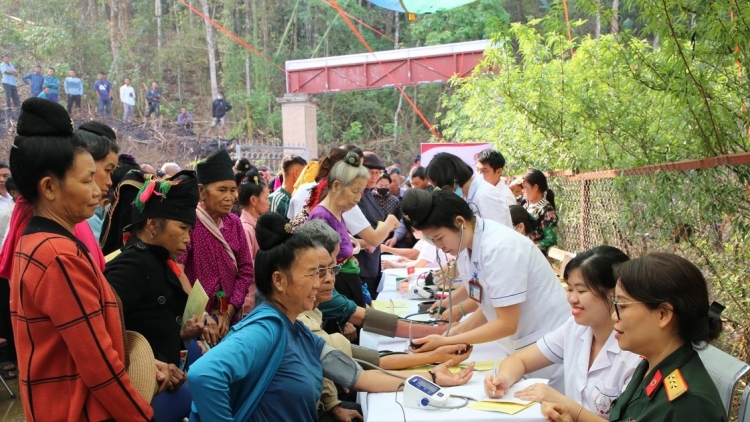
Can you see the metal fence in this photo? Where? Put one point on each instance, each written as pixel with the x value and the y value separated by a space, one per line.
pixel 697 209
pixel 269 155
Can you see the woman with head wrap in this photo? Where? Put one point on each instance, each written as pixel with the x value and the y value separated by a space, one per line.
pixel 218 253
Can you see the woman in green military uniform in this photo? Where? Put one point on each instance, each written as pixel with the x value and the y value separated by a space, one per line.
pixel 662 314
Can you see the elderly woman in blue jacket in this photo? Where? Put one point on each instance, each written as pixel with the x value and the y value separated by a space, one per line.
pixel 269 360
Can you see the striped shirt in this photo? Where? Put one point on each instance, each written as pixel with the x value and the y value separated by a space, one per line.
pixel 69 339
pixel 279 201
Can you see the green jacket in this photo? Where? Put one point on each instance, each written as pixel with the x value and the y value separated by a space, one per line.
pixel 681 375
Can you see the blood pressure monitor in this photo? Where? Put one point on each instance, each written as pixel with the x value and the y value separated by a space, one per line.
pixel 420 393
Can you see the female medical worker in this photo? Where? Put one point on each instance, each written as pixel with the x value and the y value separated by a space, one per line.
pixel 596 370
pixel 518 293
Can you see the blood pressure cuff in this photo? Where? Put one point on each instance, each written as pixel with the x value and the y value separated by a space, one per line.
pixel 365 354
pixel 339 368
pixel 379 322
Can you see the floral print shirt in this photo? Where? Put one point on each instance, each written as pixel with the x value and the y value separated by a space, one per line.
pixel 545 235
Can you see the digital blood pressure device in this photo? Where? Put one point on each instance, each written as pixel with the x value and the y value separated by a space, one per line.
pixel 420 393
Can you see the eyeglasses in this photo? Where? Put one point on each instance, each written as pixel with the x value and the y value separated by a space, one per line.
pixel 618 304
pixel 334 269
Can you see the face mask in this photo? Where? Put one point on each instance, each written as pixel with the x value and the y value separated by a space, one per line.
pixel 459 193
pixel 220 97
pixel 382 191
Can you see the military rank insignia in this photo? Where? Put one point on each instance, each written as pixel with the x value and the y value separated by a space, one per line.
pixel 675 385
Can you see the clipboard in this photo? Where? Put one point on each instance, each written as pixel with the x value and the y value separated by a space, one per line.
pixel 196 303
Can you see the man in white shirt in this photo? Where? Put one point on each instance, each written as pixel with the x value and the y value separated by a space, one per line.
pixel 127 97
pixel 490 164
pixel 5 198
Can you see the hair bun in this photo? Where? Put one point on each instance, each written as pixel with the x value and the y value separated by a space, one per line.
pixel 243 164
pixel 416 205
pixel 353 158
pixel 98 128
pixel 40 117
pixel 272 229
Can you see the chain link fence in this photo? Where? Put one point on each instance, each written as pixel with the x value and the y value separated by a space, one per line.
pixel 697 209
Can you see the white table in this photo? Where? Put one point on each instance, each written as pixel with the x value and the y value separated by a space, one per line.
pixel 382 407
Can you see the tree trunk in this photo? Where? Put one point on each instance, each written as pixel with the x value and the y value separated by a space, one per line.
pixel 211 45
pixel 114 35
pixel 615 25
pixel 158 35
pixel 598 20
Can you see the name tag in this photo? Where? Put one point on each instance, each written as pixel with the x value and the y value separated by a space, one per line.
pixel 475 290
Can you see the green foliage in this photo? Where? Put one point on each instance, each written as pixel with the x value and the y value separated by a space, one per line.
pixel 671 86
pixel 617 102
pixel 354 134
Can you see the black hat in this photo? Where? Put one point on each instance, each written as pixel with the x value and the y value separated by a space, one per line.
pixel 217 167
pixel 40 117
pixel 174 199
pixel 99 129
pixel 372 161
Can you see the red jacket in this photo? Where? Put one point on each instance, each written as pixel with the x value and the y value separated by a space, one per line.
pixel 68 335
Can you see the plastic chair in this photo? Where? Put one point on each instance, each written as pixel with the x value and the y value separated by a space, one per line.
pixel 4 343
pixel 725 370
pixel 744 414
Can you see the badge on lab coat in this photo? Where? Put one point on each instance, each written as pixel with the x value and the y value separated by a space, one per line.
pixel 475 290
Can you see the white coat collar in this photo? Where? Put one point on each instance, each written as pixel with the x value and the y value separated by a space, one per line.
pixel 605 357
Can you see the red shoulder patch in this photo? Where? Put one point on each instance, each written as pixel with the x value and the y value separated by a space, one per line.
pixel 654 383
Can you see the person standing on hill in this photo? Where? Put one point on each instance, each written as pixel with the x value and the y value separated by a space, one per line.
pixel 219 109
pixel 74 88
pixel 103 89
pixel 35 80
pixel 53 83
pixel 127 97
pixel 153 96
pixel 9 74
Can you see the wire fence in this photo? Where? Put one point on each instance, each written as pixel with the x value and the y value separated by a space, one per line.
pixel 697 209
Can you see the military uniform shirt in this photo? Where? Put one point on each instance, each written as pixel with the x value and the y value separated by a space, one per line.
pixel 693 394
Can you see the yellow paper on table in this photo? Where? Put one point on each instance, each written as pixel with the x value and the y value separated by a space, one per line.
pixel 492 406
pixel 196 303
pixel 484 365
pixel 396 307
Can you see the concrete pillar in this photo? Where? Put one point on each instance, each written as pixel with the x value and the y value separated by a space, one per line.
pixel 299 121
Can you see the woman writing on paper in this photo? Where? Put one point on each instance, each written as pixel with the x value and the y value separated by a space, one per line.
pixel 270 367
pixel 218 254
pixel 145 275
pixel 503 271
pixel 596 370
pixel 661 312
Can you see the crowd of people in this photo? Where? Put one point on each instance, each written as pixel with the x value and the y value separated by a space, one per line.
pixel 102 253
pixel 49 87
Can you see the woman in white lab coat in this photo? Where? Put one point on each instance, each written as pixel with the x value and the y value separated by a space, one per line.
pixel 519 295
pixel 596 370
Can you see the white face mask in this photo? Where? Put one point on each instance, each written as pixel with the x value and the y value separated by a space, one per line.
pixel 220 97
